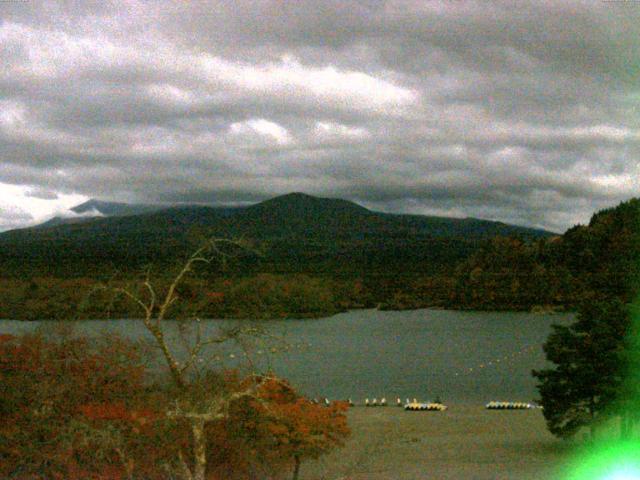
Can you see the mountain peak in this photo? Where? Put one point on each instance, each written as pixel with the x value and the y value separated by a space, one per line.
pixel 94 204
pixel 300 200
pixel 109 209
pixel 295 197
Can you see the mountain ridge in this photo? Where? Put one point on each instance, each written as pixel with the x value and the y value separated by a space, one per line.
pixel 287 203
pixel 299 232
pixel 108 208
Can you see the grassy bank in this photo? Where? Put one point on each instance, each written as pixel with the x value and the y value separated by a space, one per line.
pixel 465 442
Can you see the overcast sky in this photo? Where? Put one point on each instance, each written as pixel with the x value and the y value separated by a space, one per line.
pixel 525 112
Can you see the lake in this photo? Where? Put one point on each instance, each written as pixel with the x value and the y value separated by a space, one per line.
pixel 461 357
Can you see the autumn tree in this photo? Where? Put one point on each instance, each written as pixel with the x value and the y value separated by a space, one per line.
pixel 71 408
pixel 74 409
pixel 296 428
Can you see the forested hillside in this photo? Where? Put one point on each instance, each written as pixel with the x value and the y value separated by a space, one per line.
pixel 294 233
pixel 598 260
pixel 307 256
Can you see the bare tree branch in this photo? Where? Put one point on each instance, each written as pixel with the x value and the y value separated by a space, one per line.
pixel 155 313
pixel 136 299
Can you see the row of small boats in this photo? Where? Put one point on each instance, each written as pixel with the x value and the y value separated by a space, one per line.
pixel 407 405
pixel 493 405
pixel 430 407
pixel 436 405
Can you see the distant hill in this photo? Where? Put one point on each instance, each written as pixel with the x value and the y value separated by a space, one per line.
pixel 111 209
pixel 92 209
pixel 298 232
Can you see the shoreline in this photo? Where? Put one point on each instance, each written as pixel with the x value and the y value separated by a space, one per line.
pixel 309 316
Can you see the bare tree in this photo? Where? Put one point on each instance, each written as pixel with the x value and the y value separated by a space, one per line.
pixel 198 410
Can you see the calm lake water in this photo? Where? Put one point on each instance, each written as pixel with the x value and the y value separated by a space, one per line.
pixel 462 357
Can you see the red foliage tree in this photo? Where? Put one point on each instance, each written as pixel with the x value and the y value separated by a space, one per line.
pixel 273 432
pixel 70 409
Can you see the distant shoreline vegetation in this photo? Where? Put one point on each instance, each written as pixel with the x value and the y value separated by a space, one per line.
pixel 258 297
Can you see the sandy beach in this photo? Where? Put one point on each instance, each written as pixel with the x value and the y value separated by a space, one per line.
pixel 465 442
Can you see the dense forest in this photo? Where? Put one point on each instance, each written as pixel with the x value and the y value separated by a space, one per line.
pixel 595 261
pixel 298 256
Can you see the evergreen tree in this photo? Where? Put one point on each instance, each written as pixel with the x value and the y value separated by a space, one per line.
pixel 590 358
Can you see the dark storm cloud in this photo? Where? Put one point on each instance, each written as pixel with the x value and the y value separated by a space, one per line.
pixel 465 108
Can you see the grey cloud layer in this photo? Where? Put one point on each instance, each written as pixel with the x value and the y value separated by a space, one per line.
pixel 527 115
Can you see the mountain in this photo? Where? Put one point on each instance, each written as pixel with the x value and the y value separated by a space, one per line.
pixel 92 209
pixel 110 209
pixel 298 232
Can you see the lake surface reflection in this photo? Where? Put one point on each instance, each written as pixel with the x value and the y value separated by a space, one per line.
pixel 462 357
